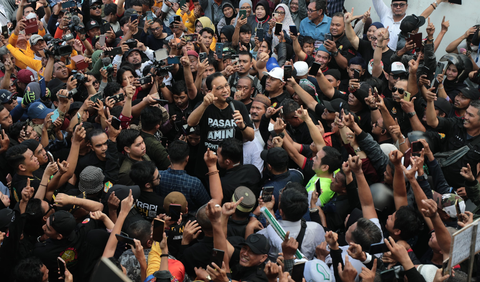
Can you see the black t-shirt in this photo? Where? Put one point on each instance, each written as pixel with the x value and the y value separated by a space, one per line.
pixel 149 205
pixel 346 49
pixel 366 51
pixel 254 273
pixel 18 183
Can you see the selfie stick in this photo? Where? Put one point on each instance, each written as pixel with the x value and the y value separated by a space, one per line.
pixel 276 226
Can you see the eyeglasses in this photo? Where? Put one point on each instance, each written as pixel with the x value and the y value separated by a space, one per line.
pixel 156 29
pixel 96 82
pixel 293 4
pixel 397 76
pixel 280 13
pixel 311 11
pixel 51 207
pixel 400 90
pixel 398 5
pixel 96 7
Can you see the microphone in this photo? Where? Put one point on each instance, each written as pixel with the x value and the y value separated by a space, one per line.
pixel 75 20
pixel 229 100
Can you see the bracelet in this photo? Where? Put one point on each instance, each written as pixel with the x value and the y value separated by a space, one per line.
pixel 357 150
pixel 433 6
pixel 404 140
pixel 211 173
pixel 243 129
pixel 373 108
pixel 42 184
pixel 164 255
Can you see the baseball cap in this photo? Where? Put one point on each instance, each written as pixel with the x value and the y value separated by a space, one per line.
pixel 398 68
pixel 258 244
pixel 317 270
pixel 336 105
pixel 92 24
pixel 301 67
pixel 63 222
pixel 175 198
pixel 5 96
pixel 441 104
pixel 272 63
pixel 412 22
pixel 308 86
pixel 192 53
pixel 469 93
pixel 275 73
pixel 249 199
pixel 7 216
pixel 427 271
pixel 275 155
pixel 38 110
pixel 34 39
pixel 91 180
pixel 446 202
pixel 334 72
pixel 25 76
pixel 92 2
pixel 75 106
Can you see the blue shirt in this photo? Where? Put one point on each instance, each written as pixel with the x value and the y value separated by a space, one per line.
pixel 317 32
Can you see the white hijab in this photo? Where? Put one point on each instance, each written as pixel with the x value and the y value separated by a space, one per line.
pixel 286 23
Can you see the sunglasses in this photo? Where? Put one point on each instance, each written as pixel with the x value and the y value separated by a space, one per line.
pixel 398 5
pixel 401 91
pixel 96 7
pixel 13 98
pixel 51 207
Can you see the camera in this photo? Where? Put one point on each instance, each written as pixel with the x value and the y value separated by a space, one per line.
pixel 145 80
pixel 59 49
pixel 79 77
pixel 161 68
pixel 132 43
pixel 76 25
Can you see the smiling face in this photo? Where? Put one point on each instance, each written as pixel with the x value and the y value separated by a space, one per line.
pixel 41 154
pixel 452 72
pixel 472 118
pixel 399 8
pixel 249 258
pixel 337 27
pixel 323 58
pixel 371 31
pixel 221 88
pixel 247 8
pixel 228 12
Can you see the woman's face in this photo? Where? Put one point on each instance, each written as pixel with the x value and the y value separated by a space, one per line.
pixel 223 38
pixel 198 26
pixel 371 31
pixel 248 8
pixel 228 12
pixel 127 78
pixel 279 15
pixel 260 12
pixel 452 72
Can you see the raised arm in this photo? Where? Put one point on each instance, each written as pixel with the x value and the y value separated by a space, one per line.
pixel 399 187
pixel 364 193
pixel 377 68
pixel 441 34
pixel 312 128
pixel 301 56
pixel 349 32
pixel 197 114
pixel 432 119
pixel 306 98
pixel 213 177
pixel 452 47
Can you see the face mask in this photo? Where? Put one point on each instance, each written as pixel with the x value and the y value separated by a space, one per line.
pixel 474 48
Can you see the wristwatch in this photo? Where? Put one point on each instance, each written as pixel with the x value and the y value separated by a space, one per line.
pixel 335 53
pixel 411 114
pixel 314 210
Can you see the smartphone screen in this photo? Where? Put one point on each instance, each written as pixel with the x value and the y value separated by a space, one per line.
pixel 125 239
pixel 267 193
pixel 217 257
pixel 293 29
pixel 5 31
pixel 378 248
pixel 149 16
pixel 95 97
pixel 457 207
pixel 61 266
pixel 175 211
pixel 314 69
pixel 158 229
pixel 101 40
pixel 177 18
pixel 116 122
pixel 173 60
pixel 417 147
pixel 219 50
pixel 260 34
pixel 278 28
pixel 287 72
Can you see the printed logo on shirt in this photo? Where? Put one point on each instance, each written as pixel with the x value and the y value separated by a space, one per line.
pixel 146 209
pixel 69 255
pixel 222 129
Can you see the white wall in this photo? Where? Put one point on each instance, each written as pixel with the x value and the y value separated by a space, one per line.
pixel 461 17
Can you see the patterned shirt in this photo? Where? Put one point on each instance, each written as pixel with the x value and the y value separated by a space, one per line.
pixel 334 6
pixel 191 187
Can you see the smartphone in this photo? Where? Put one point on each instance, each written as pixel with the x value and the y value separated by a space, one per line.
pixel 133 17
pixel 101 40
pixel 119 97
pixel 5 31
pixel 242 13
pixel 158 229
pixel 68 4
pixel 161 100
pixel 149 16
pixel 125 239
pixel 203 56
pixel 219 50
pixel 260 34
pixel 407 96
pixel 114 51
pixel 388 275
pixel 378 248
pixel 173 60
pixel 175 211
pixel 79 118
pixel 445 269
pixel 116 122
pixel 217 257
pixel 267 193
pixel 356 74
pixel 459 2
pixel 61 266
pixel 314 69
pixel 417 147
pixel 287 72
pixel 145 80
pixel 55 115
pixel 31 26
pixel 293 30
pixel 328 36
pixel 190 37
pixel 50 157
pixel 161 54
pixel 417 40
pixel 441 66
pixel 278 28
pixel 97 96
pixel 457 208
pixel 182 3
pixel 177 18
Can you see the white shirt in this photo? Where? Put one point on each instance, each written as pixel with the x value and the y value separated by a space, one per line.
pixel 386 17
pixel 314 235
pixel 251 154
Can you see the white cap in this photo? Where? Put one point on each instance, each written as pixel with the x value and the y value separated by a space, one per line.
pixel 398 68
pixel 301 67
pixel 275 73
pixel 370 66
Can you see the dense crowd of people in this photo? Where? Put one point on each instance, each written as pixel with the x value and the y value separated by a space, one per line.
pixel 226 140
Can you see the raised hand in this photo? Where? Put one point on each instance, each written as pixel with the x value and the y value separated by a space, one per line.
pixel 348 273
pixel 466 172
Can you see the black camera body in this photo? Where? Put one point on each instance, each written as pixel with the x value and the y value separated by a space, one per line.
pixel 132 43
pixel 79 77
pixel 58 50
pixel 161 68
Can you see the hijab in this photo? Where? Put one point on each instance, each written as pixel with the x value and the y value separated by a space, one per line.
pixel 266 6
pixel 228 31
pixel 286 23
pixel 206 22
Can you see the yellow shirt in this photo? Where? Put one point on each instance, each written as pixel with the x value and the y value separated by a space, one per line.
pixel 154 258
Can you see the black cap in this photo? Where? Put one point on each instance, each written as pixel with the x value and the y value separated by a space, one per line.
pixel 249 199
pixel 441 104
pixel 92 24
pixel 336 105
pixel 7 216
pixel 258 244
pixel 5 96
pixel 411 22
pixel 275 155
pixel 75 106
pixel 334 72
pixel 470 93
pixel 63 222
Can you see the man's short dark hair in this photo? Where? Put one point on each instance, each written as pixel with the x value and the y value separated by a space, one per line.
pixel 178 87
pixel 93 133
pixel 15 157
pixel 409 221
pixel 208 30
pixel 294 204
pixel 178 151
pixel 202 219
pixel 246 53
pixel 126 138
pixel 210 79
pixel 289 106
pixel 473 103
pixel 109 9
pixel 29 270
pixel 321 5
pixel 111 89
pixel 122 70
pixel 307 39
pixel 358 61
pixel 232 149
pixel 150 118
pixel 245 28
pixel 141 230
pixel 297 186
pixel 339 14
pixel 141 173
pixel 332 158
pixel 16 128
pixel 366 233
pixel 159 21
pixel 135 3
